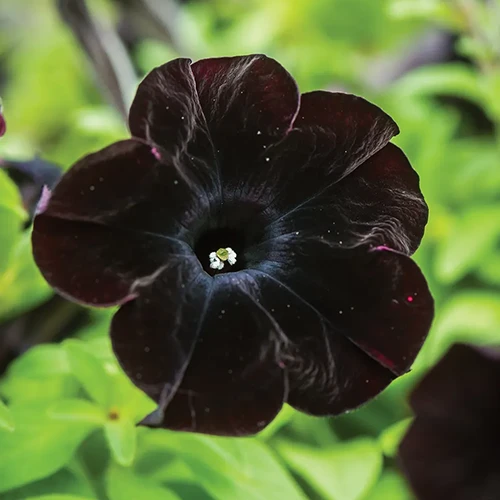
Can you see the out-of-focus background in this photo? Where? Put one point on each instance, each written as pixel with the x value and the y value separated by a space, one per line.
pixel 68 72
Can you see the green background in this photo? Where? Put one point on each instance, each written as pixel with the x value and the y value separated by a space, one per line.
pixel 67 429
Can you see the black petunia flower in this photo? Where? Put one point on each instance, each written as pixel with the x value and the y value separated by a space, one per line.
pixel 257 240
pixel 452 448
pixel 34 179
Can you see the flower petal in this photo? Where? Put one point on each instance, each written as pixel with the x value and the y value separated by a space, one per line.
pixel 249 103
pixel 234 384
pixel 450 389
pixel 154 335
pixel 126 186
pixel 379 204
pixel 443 461
pixel 451 449
pixel 377 299
pixel 328 373
pixel 347 129
pixel 166 112
pixel 113 221
pixel 98 265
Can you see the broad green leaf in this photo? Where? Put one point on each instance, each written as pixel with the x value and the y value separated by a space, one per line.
pixel 11 225
pixel 123 484
pixel 492 83
pixel 489 269
pixel 41 361
pixel 469 241
pixel 284 417
pixel 346 472
pixel 391 486
pixel 470 317
pixel 390 438
pixel 77 410
pixel 89 371
pixel 63 482
pixel 10 199
pixel 230 468
pixel 432 10
pixel 121 435
pixel 22 287
pixel 59 497
pixel 38 447
pixel 454 79
pixel 6 418
pixel 19 389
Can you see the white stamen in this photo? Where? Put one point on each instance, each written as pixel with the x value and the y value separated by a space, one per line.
pixel 218 258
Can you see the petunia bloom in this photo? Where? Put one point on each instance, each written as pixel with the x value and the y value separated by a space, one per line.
pixel 34 178
pixel 452 448
pixel 257 241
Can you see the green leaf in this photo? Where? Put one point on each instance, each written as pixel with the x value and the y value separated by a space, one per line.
pixel 41 361
pixel 346 472
pixel 6 418
pixel 22 286
pixel 12 216
pixel 390 487
pixel 123 484
pixel 89 371
pixel 489 269
pixel 63 482
pixel 10 199
pixel 284 417
pixel 38 447
pixel 59 497
pixel 431 10
pixel 470 317
pixel 121 435
pixel 229 468
pixel 390 438
pixel 454 79
pixel 469 241
pixel 77 410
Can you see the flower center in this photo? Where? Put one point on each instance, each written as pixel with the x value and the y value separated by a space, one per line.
pixel 221 250
pixel 217 259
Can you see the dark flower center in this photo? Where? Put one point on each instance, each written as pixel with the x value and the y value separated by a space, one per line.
pixel 238 226
pixel 218 240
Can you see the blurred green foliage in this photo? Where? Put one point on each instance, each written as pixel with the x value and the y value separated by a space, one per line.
pixel 68 429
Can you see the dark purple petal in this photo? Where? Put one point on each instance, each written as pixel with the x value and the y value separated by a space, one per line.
pixel 126 186
pixel 219 113
pixel 234 384
pixel 450 389
pixel 347 129
pixel 249 103
pixel 379 204
pixel 166 112
pixel 154 335
pixel 443 461
pixel 451 449
pixel 98 265
pixel 105 229
pixel 30 177
pixel 377 299
pixel 328 373
pixel 333 135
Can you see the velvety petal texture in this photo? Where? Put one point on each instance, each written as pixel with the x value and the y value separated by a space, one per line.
pixel 451 449
pixel 257 241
